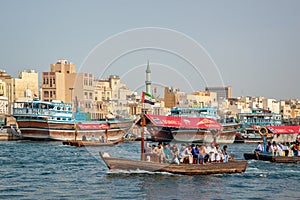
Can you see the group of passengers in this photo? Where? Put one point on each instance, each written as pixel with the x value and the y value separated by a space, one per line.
pixel 197 154
pixel 280 149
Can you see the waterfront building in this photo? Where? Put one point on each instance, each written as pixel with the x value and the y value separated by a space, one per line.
pixel 173 97
pixel 27 84
pixel 116 96
pixel 222 92
pixel 202 99
pixel 7 84
pixel 63 83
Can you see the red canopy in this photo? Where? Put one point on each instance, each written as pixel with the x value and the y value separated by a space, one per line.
pixel 184 122
pixel 284 129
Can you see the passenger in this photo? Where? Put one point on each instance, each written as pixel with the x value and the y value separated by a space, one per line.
pixel 268 146
pixel 218 154
pixel 92 138
pixel 102 139
pixel 295 149
pixel 83 138
pixel 203 155
pixel 148 151
pixel 212 152
pixel 196 153
pixel 167 152
pixel 185 152
pixel 225 154
pixel 273 149
pixel 259 148
pixel 175 153
pixel 207 152
pixel 160 153
pixel 279 149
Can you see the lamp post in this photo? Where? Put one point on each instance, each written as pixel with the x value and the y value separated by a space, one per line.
pixel 71 91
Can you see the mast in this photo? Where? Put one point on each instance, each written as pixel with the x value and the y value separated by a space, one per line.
pixel 143 135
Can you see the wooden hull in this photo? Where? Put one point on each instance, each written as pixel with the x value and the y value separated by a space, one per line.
pixel 185 169
pixel 90 143
pixel 266 157
pixel 159 134
pixel 43 130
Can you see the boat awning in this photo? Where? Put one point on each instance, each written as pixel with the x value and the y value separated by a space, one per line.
pixel 284 129
pixel 184 122
pixel 92 126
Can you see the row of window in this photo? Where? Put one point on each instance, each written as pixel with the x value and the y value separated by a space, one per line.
pixel 50 94
pixel 49 81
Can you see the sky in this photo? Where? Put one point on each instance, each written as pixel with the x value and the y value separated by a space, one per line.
pixel 252 46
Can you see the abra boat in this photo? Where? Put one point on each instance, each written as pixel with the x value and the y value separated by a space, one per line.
pixel 41 120
pixel 192 125
pixel 82 143
pixel 235 166
pixel 268 157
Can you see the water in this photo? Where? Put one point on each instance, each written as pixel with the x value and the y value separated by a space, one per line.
pixel 50 170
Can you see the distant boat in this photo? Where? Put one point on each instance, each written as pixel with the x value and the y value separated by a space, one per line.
pixel 41 120
pixel 234 166
pixel 269 157
pixel 81 143
pixel 191 125
pixel 248 132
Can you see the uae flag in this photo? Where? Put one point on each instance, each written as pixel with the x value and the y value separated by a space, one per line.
pixel 148 98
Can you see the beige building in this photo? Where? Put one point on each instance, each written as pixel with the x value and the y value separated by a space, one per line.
pixel 116 96
pixel 27 84
pixel 7 83
pixel 174 98
pixel 63 83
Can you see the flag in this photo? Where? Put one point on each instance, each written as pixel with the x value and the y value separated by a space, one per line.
pixel 148 98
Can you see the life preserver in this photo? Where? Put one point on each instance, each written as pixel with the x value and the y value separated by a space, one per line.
pixel 263 131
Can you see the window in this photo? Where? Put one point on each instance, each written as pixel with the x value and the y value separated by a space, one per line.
pixel 85 95
pixel 46 94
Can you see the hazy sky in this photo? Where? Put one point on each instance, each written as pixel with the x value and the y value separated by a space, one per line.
pixel 254 46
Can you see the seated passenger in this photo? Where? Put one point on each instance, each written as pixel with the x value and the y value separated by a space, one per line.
pixel 159 152
pixel 186 152
pixel 218 154
pixel 225 154
pixel 259 148
pixel 175 153
pixel 167 152
pixel 92 138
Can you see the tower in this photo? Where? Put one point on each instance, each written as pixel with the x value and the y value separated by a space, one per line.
pixel 148 79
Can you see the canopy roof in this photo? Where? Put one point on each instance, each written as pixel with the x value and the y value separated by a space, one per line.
pixel 184 122
pixel 284 129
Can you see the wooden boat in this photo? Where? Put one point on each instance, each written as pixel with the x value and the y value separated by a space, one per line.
pixel 191 125
pixel 234 166
pixel 269 157
pixel 81 143
pixel 41 120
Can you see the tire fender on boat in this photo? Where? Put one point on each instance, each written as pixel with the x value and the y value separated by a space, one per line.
pixel 263 131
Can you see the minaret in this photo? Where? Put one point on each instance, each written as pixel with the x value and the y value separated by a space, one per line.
pixel 148 79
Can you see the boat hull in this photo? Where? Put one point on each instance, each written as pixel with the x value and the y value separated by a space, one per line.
pixel 270 158
pixel 237 166
pixel 43 130
pixel 159 134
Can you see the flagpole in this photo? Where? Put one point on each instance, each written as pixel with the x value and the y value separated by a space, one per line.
pixel 143 133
